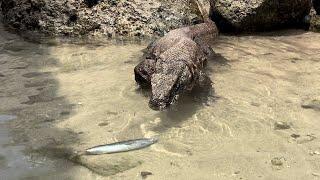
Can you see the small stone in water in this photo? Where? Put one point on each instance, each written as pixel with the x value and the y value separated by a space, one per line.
pixel 144 174
pixel 295 136
pixel 237 172
pixel 281 125
pixel 277 161
pixel 103 124
pixel 314 153
pixel 311 104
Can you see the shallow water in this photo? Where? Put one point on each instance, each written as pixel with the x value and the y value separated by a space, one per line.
pixel 71 96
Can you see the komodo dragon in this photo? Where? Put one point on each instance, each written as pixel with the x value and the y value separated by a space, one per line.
pixel 174 63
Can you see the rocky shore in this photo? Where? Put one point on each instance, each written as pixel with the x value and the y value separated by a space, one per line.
pixel 138 18
pixel 258 15
pixel 105 17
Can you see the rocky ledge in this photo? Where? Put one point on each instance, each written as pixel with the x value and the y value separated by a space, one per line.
pixel 258 15
pixel 99 17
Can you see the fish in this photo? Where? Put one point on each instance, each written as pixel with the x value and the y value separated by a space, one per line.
pixel 122 146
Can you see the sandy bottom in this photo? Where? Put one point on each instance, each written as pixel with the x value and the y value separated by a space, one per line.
pixel 261 121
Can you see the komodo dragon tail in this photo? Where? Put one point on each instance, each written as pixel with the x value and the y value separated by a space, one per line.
pixel 203 11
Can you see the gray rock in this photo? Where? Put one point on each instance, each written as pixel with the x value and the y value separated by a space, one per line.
pixel 258 15
pixel 95 17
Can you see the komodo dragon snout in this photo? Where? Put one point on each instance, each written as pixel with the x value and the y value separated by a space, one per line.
pixel 171 80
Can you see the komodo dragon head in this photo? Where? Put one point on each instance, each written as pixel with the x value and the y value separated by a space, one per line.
pixel 168 82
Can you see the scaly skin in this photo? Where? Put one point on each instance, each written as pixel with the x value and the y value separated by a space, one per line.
pixel 174 63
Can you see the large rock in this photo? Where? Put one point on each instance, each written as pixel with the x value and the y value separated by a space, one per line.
pixel 315 23
pixel 99 17
pixel 258 15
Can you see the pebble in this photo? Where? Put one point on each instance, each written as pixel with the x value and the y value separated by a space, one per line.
pixel 314 153
pixel 295 136
pixel 311 104
pixel 103 124
pixel 277 161
pixel 281 125
pixel 145 174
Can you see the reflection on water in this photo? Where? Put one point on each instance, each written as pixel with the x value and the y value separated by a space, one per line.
pixel 71 96
pixel 4 118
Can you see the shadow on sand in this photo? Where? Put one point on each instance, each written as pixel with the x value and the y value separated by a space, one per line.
pixel 189 103
pixel 31 94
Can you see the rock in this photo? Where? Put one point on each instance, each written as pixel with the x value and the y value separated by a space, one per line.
pixel 237 172
pixel 3 161
pixel 277 161
pixel 281 125
pixel 315 23
pixel 108 165
pixel 295 136
pixel 314 103
pixel 258 15
pixel 145 174
pixel 314 153
pixel 95 17
pixel 316 6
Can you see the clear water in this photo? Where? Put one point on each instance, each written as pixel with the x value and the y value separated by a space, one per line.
pixel 72 96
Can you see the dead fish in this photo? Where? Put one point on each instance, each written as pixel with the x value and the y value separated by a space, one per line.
pixel 123 146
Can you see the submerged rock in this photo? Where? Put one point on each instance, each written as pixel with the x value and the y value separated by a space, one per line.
pixel 96 17
pixel 145 174
pixel 258 15
pixel 277 161
pixel 108 165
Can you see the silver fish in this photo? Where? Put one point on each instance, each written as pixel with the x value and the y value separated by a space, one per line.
pixel 123 146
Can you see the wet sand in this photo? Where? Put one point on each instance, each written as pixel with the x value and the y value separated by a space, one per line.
pixel 69 97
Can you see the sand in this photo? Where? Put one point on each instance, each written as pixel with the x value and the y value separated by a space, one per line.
pixel 69 97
